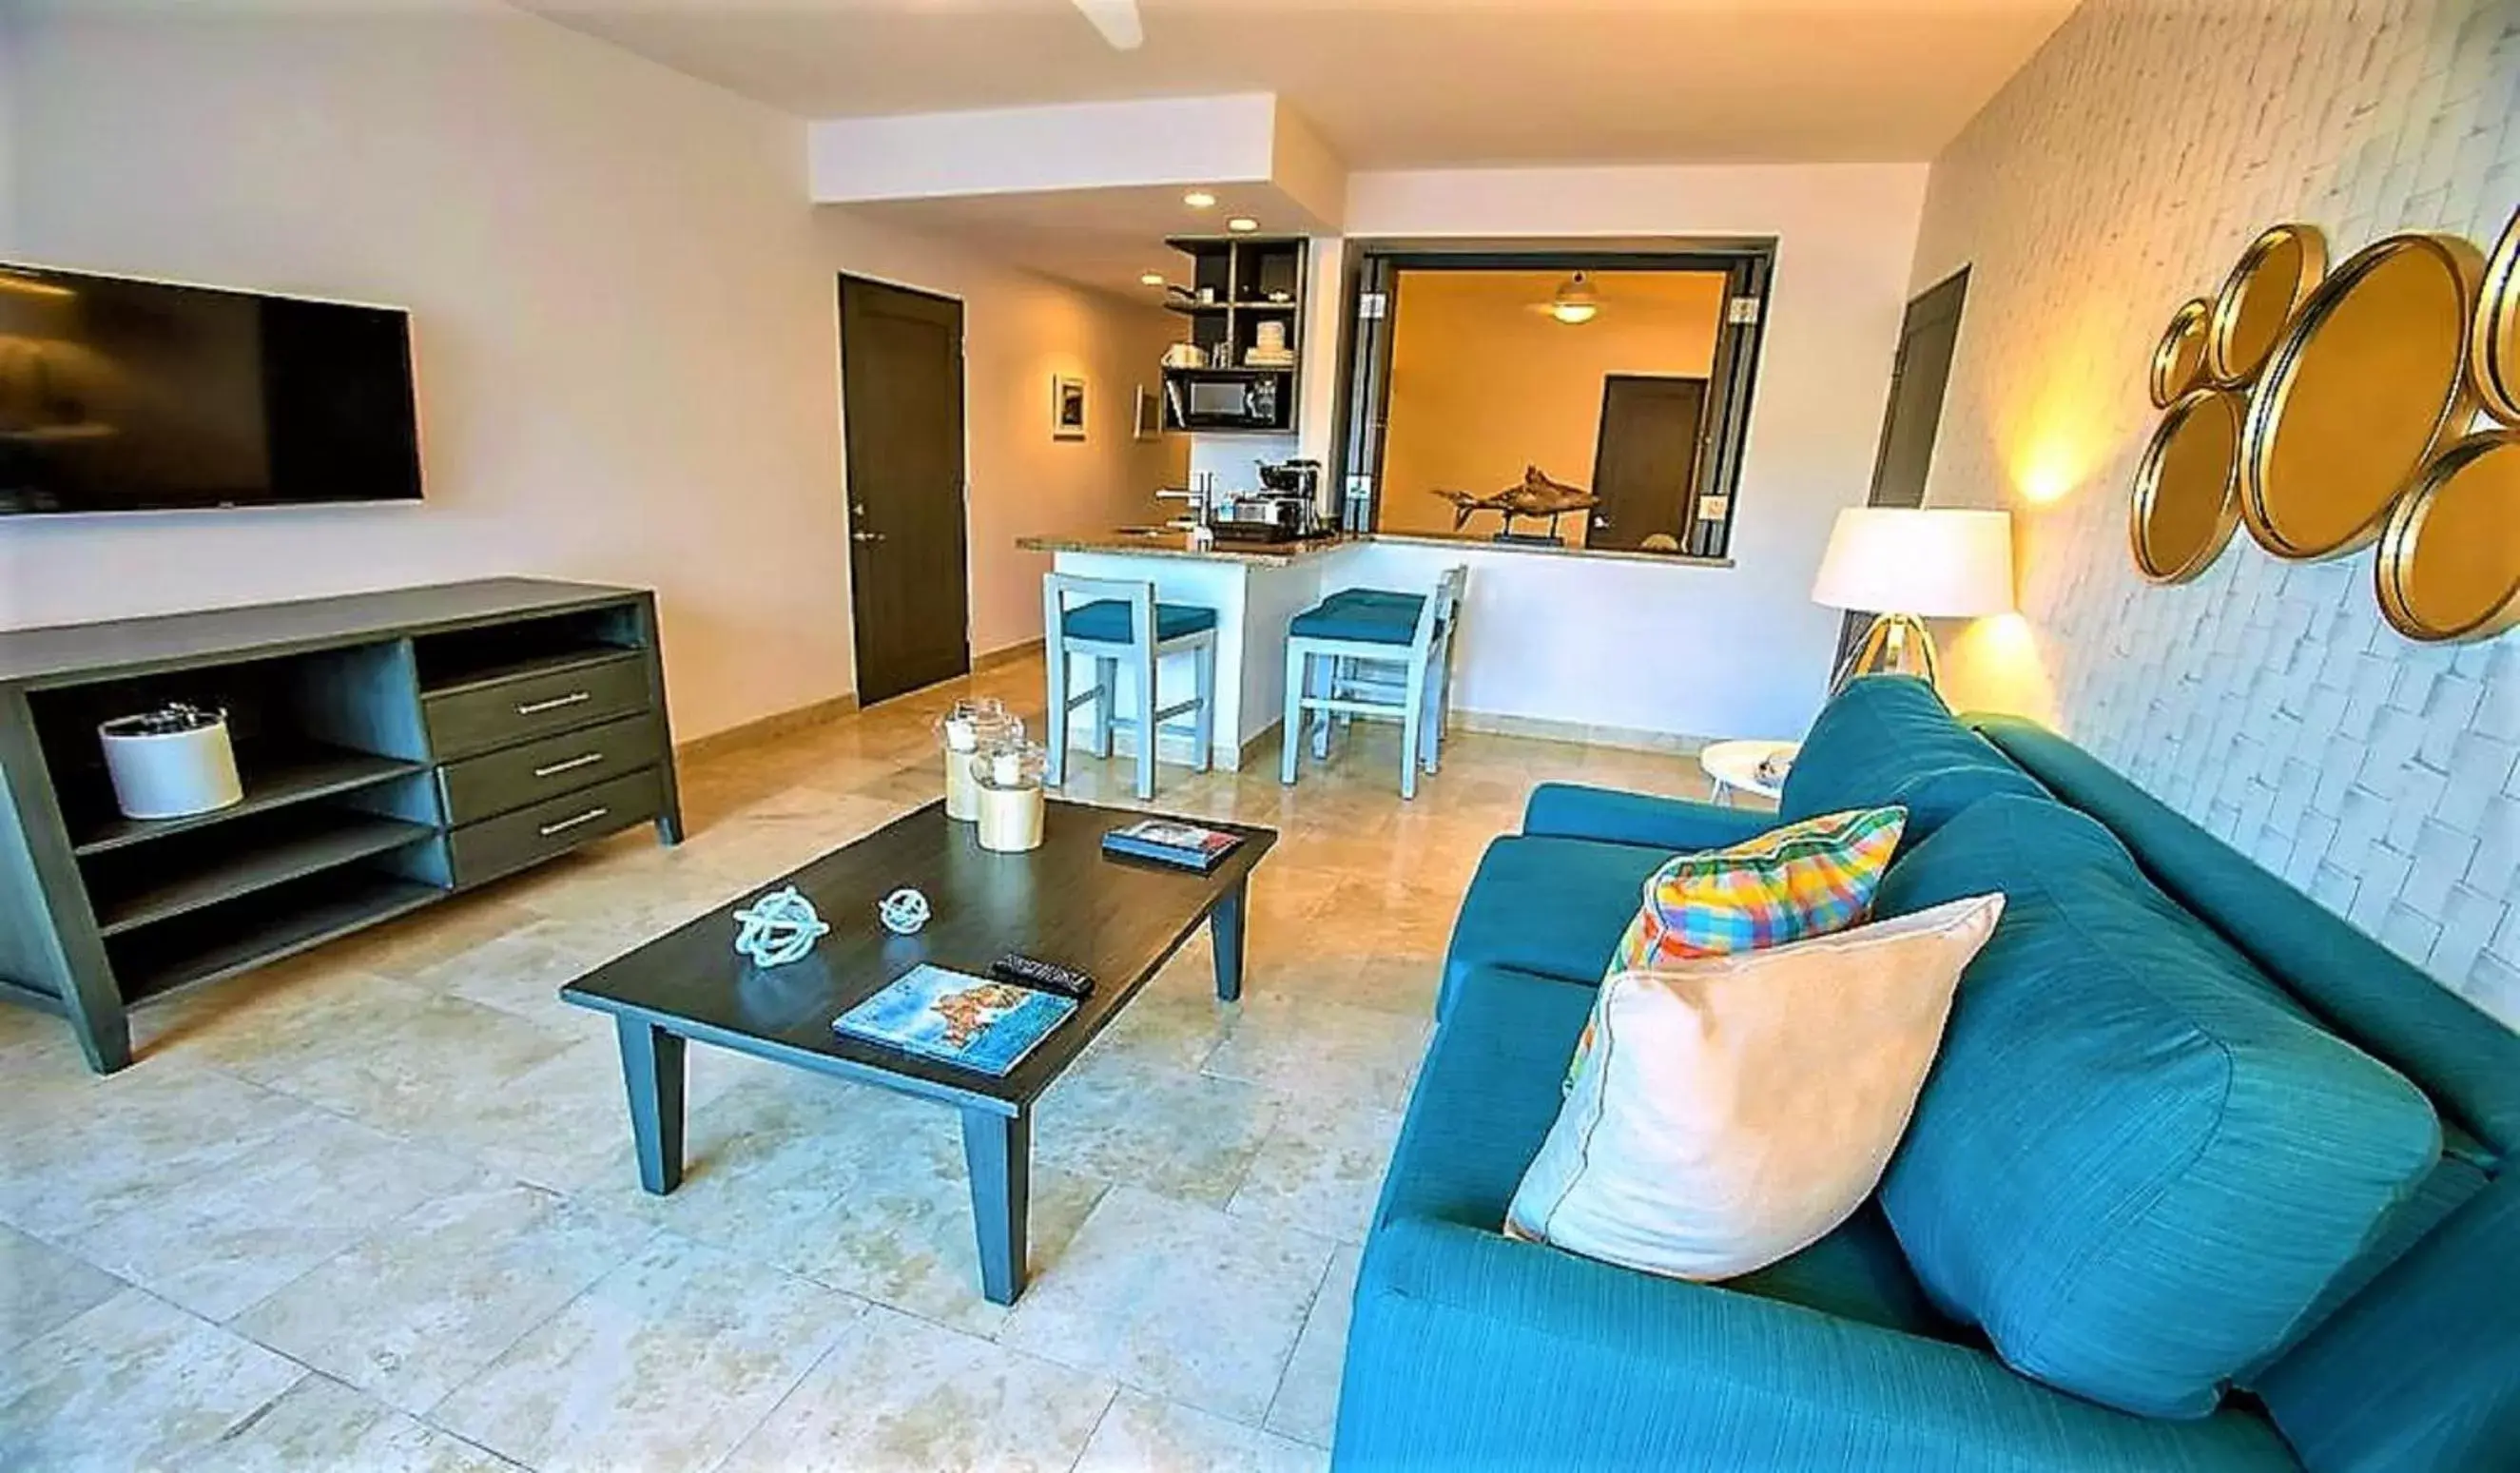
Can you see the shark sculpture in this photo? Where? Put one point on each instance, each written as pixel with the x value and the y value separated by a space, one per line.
pixel 1536 497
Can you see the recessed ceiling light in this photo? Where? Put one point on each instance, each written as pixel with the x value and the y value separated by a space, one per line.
pixel 1200 199
pixel 1243 223
pixel 1574 302
pixel 1151 277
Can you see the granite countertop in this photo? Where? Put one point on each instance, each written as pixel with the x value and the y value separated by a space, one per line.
pixel 1176 545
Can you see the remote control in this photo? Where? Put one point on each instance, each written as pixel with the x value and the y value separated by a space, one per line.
pixel 1042 976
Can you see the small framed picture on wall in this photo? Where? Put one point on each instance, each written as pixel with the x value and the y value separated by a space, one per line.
pixel 1150 424
pixel 1066 408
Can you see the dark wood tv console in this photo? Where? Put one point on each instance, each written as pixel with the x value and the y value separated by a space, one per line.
pixel 395 747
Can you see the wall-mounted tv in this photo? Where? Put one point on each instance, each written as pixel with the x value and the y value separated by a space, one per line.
pixel 126 395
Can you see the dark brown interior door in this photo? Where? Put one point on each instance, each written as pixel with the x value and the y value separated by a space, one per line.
pixel 1927 336
pixel 1644 465
pixel 901 396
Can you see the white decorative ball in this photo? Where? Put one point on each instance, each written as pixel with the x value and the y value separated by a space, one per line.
pixel 904 912
pixel 779 928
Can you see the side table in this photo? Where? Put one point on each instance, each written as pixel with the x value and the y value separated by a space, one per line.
pixel 1735 766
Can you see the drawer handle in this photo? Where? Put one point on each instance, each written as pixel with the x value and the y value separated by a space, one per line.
pixel 538 707
pixel 566 824
pixel 555 769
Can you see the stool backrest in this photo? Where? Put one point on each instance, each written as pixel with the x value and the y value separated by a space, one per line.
pixel 1060 592
pixel 1435 618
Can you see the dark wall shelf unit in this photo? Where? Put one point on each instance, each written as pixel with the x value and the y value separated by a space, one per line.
pixel 1252 280
pixel 394 748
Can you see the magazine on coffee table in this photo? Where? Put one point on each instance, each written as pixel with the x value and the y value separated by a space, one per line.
pixel 1169 841
pixel 974 1022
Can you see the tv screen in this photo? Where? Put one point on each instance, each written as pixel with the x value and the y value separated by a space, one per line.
pixel 123 395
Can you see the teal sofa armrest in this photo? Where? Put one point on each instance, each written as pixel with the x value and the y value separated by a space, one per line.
pixel 1472 1350
pixel 1572 811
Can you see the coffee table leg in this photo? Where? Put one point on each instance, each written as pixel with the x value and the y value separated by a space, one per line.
pixel 652 1062
pixel 1225 929
pixel 997 1150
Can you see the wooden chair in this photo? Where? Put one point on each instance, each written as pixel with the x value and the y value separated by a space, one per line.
pixel 1374 653
pixel 1110 620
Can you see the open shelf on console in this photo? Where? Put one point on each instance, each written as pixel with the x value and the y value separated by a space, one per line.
pixel 263 927
pixel 464 657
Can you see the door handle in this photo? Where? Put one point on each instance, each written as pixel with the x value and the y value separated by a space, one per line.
pixel 866 537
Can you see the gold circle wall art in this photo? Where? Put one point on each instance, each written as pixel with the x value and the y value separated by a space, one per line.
pixel 2368 384
pixel 2179 359
pixel 2187 488
pixel 2494 348
pixel 2449 555
pixel 2272 280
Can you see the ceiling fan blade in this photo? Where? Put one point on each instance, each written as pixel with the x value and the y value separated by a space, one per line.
pixel 1117 20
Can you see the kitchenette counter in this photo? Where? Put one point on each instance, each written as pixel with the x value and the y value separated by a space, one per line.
pixel 1176 545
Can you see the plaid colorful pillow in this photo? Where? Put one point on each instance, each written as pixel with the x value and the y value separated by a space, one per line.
pixel 1788 884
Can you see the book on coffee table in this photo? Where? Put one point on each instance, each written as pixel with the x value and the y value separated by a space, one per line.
pixel 1169 841
pixel 971 1021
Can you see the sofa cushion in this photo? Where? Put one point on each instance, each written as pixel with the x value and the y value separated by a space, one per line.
pixel 1735 1110
pixel 1793 882
pixel 1889 738
pixel 1486 1097
pixel 1552 906
pixel 2133 1167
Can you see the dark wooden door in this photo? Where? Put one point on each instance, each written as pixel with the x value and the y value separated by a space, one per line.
pixel 1918 375
pixel 1644 465
pixel 901 396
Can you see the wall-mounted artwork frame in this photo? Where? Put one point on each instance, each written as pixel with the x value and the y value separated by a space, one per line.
pixel 1066 407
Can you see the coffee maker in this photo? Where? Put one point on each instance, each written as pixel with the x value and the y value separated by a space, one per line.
pixel 1299 483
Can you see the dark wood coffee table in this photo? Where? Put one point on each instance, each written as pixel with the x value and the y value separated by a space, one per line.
pixel 1063 902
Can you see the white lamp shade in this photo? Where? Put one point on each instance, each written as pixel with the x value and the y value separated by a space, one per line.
pixel 1937 562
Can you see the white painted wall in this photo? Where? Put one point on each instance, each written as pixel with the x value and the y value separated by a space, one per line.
pixel 625 314
pixel 1189 140
pixel 1688 650
pixel 8 132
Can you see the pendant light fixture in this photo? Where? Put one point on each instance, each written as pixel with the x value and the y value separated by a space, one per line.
pixel 1574 303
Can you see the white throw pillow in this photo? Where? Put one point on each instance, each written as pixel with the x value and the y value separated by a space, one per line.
pixel 1734 1109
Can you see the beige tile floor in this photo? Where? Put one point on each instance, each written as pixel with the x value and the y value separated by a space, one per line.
pixel 373 1208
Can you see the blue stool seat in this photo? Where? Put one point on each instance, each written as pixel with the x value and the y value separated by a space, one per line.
pixel 1370 620
pixel 1107 620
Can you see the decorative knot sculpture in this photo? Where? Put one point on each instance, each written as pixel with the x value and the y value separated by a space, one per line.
pixel 779 928
pixel 904 912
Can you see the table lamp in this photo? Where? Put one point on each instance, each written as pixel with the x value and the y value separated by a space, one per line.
pixel 1905 565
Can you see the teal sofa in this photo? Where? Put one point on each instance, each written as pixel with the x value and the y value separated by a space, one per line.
pixel 1876 1347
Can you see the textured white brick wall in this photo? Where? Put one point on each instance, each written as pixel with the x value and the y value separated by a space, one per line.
pixel 2119 173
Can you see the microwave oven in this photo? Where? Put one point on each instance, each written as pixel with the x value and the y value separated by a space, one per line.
pixel 1228 399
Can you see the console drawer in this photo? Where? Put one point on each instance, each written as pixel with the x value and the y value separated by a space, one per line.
pixel 498 846
pixel 501 782
pixel 498 713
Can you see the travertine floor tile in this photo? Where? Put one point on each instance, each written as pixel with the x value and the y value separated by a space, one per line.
pixel 1183 1133
pixel 133 1383
pixel 224 1241
pixel 1142 1434
pixel 1322 1051
pixel 80 1149
pixel 1176 1300
pixel 1321 1169
pixel 42 1289
pixel 665 1363
pixel 1307 1403
pixel 419 1306
pixel 321 1423
pixel 898 1395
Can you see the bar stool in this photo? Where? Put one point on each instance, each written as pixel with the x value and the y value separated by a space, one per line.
pixel 1114 619
pixel 1383 654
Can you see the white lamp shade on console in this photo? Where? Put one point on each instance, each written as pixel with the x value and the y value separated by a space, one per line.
pixel 1936 562
pixel 1907 564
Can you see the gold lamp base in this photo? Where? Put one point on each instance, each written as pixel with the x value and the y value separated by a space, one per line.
pixel 1895 645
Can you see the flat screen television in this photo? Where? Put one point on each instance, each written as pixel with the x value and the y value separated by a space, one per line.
pixel 126 395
